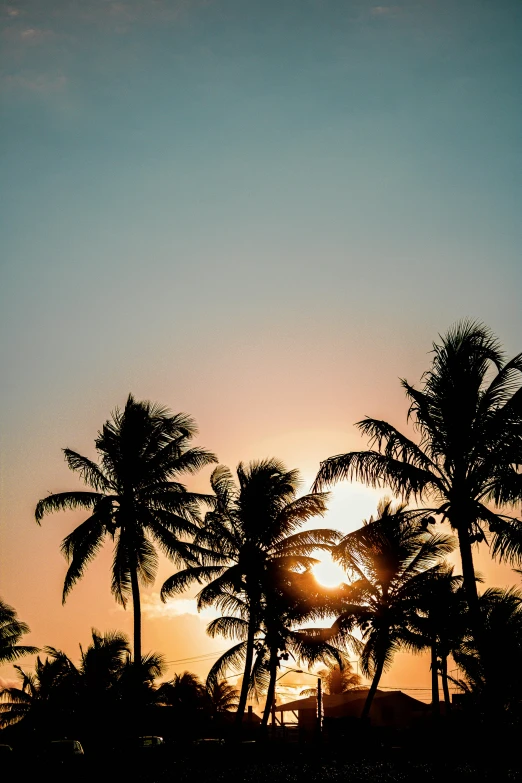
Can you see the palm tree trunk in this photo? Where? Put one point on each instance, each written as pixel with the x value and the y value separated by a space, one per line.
pixel 274 662
pixel 373 688
pixel 248 669
pixel 136 608
pixel 470 586
pixel 445 687
pixel 435 700
pixel 470 582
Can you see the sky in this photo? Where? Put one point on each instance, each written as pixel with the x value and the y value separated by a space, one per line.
pixel 259 213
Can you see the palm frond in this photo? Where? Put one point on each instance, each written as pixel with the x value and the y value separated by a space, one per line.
pixel 377 470
pixel 65 501
pixel 229 627
pixel 80 547
pixel 90 473
pixel 179 581
pixel 230 660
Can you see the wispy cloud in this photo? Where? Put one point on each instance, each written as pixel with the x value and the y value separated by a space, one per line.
pixel 12 12
pixel 6 682
pixel 385 10
pixel 35 35
pixel 154 608
pixel 27 81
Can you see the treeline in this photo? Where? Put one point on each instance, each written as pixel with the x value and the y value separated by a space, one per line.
pixel 105 698
pixel 244 544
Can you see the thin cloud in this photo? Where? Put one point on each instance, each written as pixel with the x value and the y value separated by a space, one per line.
pixel 385 10
pixel 6 682
pixel 42 83
pixel 154 608
pixel 12 12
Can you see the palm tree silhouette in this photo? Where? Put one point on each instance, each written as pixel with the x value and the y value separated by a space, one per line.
pixel 251 528
pixel 221 697
pixel 184 691
pixel 390 560
pixel 134 499
pixel 292 598
pixel 439 624
pixel 95 697
pixel 495 692
pixel 11 631
pixel 43 696
pixel 336 680
pixel 470 450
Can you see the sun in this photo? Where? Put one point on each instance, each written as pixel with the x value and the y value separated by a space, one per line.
pixel 328 573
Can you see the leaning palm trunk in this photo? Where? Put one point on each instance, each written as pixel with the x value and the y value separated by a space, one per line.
pixel 249 659
pixel 270 694
pixel 373 688
pixel 435 700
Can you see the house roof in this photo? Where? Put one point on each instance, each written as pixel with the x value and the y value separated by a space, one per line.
pixel 337 700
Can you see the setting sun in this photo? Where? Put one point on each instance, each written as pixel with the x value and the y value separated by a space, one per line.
pixel 329 573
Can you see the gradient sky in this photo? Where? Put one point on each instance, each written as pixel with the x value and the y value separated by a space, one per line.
pixel 261 213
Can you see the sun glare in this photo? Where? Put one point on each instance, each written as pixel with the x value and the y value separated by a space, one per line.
pixel 329 573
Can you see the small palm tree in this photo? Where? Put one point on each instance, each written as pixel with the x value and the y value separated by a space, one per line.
pixel 102 691
pixel 221 697
pixel 336 680
pixel 136 499
pixel 439 624
pixel 249 528
pixel 496 691
pixel 44 696
pixel 390 560
pixel 185 691
pixel 11 631
pixel 469 418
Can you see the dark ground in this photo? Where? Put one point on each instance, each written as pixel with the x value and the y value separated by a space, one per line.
pixel 255 763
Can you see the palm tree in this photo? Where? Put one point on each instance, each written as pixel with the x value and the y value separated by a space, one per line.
pixel 11 631
pixel 251 527
pixel 103 661
pixel 97 696
pixel 469 418
pixel 496 691
pixel 134 499
pixel 336 680
pixel 292 598
pixel 390 560
pixel 221 697
pixel 185 691
pixel 439 624
pixel 44 696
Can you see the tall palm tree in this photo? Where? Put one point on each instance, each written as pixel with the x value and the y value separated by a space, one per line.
pixel 11 631
pixel 252 526
pixel 469 418
pixel 136 499
pixel 390 560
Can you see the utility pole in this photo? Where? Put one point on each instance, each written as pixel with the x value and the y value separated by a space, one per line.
pixel 319 708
